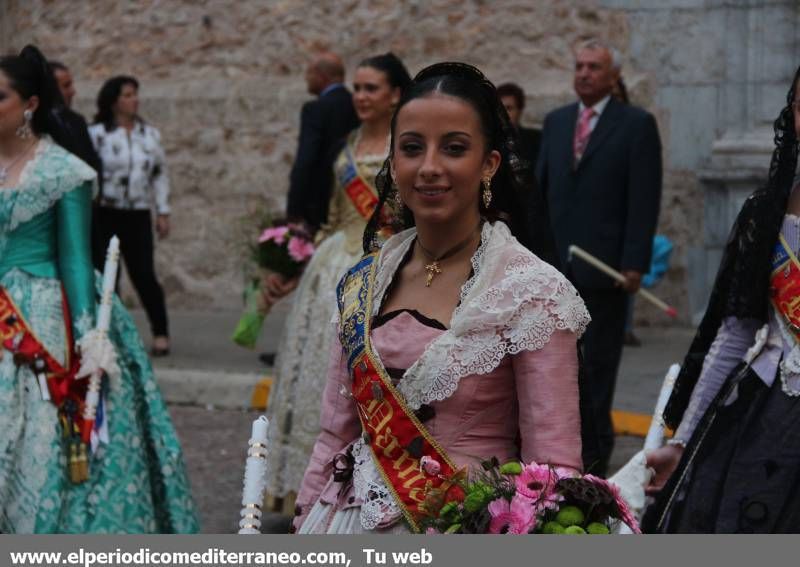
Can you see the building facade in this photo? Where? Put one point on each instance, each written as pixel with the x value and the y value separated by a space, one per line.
pixel 223 81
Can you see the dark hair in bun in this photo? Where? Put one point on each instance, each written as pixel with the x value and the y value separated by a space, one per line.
pixel 516 199
pixel 392 67
pixel 30 75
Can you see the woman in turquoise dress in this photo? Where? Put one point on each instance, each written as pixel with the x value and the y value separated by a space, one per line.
pixel 136 477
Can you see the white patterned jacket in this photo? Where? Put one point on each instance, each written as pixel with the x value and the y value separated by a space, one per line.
pixel 134 167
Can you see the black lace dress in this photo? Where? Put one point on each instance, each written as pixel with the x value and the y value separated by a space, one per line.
pixel 740 472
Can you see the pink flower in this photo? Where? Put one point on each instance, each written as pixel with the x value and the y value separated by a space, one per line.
pixel 535 480
pixel 276 233
pixel 300 250
pixel 515 517
pixel 625 513
pixel 538 483
pixel 431 531
pixel 429 465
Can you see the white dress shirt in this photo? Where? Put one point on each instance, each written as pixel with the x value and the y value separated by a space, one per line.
pixel 598 108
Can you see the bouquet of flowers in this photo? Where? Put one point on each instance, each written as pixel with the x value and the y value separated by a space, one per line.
pixel 525 499
pixel 284 248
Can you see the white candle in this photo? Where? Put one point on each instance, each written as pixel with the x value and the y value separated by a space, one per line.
pixel 260 427
pixel 109 282
pixel 655 435
pixel 255 472
pixel 103 323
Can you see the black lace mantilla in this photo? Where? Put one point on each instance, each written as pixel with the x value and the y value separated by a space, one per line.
pixel 741 288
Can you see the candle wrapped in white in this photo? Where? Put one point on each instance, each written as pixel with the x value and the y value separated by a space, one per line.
pixel 655 435
pixel 109 282
pixel 255 473
pixel 632 478
pixel 96 346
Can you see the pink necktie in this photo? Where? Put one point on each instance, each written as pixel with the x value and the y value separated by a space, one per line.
pixel 582 132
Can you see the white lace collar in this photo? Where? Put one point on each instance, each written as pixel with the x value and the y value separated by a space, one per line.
pixel 512 302
pixel 47 176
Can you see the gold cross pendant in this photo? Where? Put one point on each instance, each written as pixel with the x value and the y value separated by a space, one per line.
pixel 433 270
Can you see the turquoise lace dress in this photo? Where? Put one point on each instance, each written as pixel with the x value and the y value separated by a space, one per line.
pixel 137 483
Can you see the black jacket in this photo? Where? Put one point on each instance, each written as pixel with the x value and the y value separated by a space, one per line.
pixel 323 123
pixel 607 203
pixel 76 138
pixel 528 142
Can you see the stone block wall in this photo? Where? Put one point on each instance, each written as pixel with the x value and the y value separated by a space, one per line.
pixel 223 80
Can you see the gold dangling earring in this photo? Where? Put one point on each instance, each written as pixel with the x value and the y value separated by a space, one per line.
pixel 397 200
pixel 25 131
pixel 487 192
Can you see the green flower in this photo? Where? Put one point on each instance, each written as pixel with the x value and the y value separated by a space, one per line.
pixel 553 528
pixel 597 528
pixel 570 516
pixel 574 530
pixel 478 497
pixel 448 508
pixel 511 468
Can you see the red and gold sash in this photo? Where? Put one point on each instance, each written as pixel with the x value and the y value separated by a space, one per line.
pixel 396 437
pixel 67 393
pixel 785 285
pixel 359 191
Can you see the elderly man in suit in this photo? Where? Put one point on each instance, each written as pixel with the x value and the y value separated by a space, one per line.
pixel 599 167
pixel 323 124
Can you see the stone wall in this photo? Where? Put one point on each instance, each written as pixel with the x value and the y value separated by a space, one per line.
pixel 223 80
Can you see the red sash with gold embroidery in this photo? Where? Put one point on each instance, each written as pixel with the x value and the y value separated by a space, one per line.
pixel 358 190
pixel 785 285
pixel 397 438
pixel 67 393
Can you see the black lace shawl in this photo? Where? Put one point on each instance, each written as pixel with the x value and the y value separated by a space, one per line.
pixel 741 288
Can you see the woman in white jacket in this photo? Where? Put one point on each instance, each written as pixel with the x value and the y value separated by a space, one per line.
pixel 134 180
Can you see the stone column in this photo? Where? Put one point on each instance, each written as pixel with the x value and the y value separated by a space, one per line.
pixel 762 51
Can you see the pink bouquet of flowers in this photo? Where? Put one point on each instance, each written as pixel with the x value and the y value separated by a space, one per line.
pixel 527 499
pixel 284 248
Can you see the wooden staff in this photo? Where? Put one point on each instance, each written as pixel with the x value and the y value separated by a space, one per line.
pixel 611 272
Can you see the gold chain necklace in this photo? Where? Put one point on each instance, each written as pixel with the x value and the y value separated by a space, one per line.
pixel 433 268
pixel 4 169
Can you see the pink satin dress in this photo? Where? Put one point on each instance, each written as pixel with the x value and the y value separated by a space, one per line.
pixel 526 408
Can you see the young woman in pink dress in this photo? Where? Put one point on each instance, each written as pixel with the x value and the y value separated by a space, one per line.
pixel 455 343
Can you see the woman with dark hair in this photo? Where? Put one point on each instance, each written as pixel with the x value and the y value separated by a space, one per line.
pixel 454 343
pixel 294 405
pixel 124 470
pixel 134 180
pixel 733 464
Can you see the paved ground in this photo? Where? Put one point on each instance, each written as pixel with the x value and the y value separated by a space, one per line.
pixel 208 382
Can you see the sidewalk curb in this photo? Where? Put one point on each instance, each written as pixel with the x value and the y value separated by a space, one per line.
pixel 631 423
pixel 225 390
pixel 250 390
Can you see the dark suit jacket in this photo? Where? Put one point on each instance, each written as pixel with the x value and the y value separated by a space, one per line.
pixel 607 203
pixel 323 123
pixel 528 142
pixel 76 137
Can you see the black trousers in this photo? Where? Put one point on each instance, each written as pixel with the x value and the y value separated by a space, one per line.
pixel 602 350
pixel 135 232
